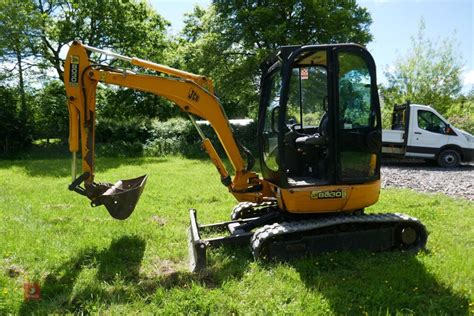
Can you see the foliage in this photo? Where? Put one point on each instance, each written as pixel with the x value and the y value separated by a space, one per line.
pixel 128 27
pixel 122 137
pixel 50 112
pixel 120 148
pixel 16 131
pixel 17 26
pixel 228 41
pixel 18 40
pixel 122 104
pixel 89 263
pixel 136 137
pixel 172 137
pixel 461 113
pixel 386 109
pixel 429 74
pixel 129 130
pixel 34 33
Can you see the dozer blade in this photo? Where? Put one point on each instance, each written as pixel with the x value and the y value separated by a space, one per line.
pixel 121 198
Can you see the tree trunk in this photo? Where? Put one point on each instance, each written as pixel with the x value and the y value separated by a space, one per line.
pixel 21 83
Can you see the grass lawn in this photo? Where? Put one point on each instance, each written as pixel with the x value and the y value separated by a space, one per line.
pixel 88 262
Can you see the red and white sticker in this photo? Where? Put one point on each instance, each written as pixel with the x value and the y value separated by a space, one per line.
pixel 304 73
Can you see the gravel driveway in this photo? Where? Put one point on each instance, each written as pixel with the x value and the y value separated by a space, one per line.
pixel 419 176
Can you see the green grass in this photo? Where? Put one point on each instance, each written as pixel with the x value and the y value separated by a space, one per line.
pixel 88 262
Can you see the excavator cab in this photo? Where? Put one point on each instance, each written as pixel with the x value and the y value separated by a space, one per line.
pixel 319 117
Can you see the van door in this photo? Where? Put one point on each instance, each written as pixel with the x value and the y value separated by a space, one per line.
pixel 427 135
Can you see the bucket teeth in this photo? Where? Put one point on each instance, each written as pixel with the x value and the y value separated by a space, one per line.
pixel 120 198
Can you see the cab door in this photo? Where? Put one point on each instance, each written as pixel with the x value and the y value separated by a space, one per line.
pixel 358 130
pixel 268 125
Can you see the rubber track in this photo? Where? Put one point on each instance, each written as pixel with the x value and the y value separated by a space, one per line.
pixel 269 231
pixel 249 209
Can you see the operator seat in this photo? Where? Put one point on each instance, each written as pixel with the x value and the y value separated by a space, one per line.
pixel 317 139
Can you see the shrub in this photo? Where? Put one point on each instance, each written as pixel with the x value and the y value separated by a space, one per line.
pixel 461 113
pixel 50 112
pixel 16 131
pixel 156 138
pixel 120 149
pixel 465 123
pixel 126 131
pixel 172 137
pixel 179 136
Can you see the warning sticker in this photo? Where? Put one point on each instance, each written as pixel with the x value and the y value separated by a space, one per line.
pixel 304 73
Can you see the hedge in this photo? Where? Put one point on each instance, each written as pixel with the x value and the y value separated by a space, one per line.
pixel 138 137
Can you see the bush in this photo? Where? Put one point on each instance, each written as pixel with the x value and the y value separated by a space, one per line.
pixel 50 112
pixel 123 131
pixel 155 138
pixel 179 136
pixel 465 123
pixel 120 149
pixel 172 137
pixel 461 113
pixel 16 132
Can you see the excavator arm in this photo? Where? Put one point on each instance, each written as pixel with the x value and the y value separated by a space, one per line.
pixel 193 94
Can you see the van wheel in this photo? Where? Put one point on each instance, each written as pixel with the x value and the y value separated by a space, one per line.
pixel 449 158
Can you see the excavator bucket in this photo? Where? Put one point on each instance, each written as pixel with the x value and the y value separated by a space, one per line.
pixel 121 198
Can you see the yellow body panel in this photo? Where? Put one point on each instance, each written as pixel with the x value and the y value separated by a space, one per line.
pixel 305 200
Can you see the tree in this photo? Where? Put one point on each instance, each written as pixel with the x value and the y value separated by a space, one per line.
pixel 229 40
pixel 15 130
pixel 18 23
pixel 50 112
pixel 123 104
pixel 129 27
pixel 461 113
pixel 429 74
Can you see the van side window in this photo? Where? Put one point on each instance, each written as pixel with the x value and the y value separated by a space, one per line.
pixel 431 122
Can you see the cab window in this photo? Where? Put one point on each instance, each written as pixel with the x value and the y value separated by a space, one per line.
pixel 431 122
pixel 307 98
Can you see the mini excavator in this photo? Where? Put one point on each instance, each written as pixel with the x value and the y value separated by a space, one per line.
pixel 319 141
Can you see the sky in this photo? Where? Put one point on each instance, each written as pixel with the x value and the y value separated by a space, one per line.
pixel 394 23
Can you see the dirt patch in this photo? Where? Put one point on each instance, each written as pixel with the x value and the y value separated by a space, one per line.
pixel 163 267
pixel 14 271
pixel 158 220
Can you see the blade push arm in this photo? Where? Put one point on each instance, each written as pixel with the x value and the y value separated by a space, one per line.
pixel 192 93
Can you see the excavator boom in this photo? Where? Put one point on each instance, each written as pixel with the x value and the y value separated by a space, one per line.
pixel 193 94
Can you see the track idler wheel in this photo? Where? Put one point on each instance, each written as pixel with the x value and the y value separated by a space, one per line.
pixel 411 237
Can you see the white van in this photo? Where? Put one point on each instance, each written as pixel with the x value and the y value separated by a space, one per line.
pixel 420 131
